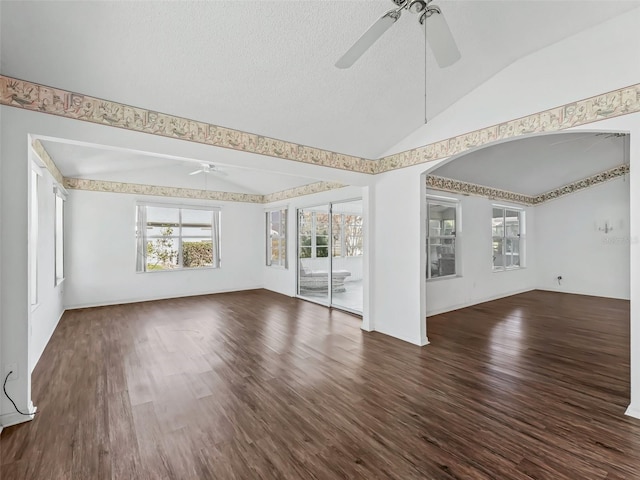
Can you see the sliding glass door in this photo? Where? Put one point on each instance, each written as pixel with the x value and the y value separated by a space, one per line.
pixel 313 254
pixel 330 240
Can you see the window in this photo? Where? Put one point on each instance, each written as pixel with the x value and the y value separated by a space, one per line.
pixel 277 238
pixel 507 226
pixel 59 235
pixel 347 235
pixel 441 237
pixel 33 236
pixel 313 231
pixel 174 238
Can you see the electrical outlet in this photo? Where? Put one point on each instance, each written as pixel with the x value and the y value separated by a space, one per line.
pixel 13 368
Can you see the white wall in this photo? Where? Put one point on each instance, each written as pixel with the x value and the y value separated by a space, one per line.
pixel 101 252
pixel 46 314
pixel 477 282
pixel 569 243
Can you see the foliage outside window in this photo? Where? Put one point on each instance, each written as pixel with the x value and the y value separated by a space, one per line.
pixel 313 231
pixel 507 232
pixel 174 238
pixel 441 238
pixel 59 236
pixel 277 238
pixel 347 235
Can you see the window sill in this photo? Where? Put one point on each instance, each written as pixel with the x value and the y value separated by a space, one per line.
pixel 195 269
pixel 277 267
pixel 447 277
pixel 510 269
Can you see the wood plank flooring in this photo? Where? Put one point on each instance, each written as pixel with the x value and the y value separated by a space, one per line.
pixel 255 385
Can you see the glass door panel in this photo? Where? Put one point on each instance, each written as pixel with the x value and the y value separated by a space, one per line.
pixel 313 254
pixel 346 255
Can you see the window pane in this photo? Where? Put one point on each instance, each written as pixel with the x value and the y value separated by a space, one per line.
pixel 442 219
pixel 305 224
pixel 59 238
pixel 162 254
pixel 275 250
pixel 512 223
pixel 322 224
pixel 498 261
pixel 322 252
pixel 163 216
pixel 497 222
pixel 305 252
pixel 283 252
pixel 197 253
pixel 442 257
pixel 512 252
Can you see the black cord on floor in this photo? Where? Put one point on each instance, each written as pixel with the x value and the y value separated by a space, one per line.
pixel 4 387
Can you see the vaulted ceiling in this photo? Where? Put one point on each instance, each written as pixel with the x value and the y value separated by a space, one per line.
pixel 267 67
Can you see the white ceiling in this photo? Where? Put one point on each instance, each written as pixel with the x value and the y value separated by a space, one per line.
pixel 118 165
pixel 267 67
pixel 536 165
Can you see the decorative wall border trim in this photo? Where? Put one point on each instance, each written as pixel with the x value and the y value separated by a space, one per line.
pixel 444 184
pixel 303 190
pixel 139 189
pixel 591 181
pixel 47 160
pixel 465 188
pixel 55 101
pixel 616 103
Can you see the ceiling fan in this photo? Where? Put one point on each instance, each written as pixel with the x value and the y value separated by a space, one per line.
pixel 207 168
pixel 438 33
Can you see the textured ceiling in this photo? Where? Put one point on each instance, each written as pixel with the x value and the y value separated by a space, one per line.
pixel 267 67
pixel 536 165
pixel 117 165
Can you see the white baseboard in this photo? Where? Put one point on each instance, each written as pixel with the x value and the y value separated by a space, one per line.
pixel 14 418
pixel 415 341
pixel 633 412
pixel 124 301
pixel 471 303
pixel 576 292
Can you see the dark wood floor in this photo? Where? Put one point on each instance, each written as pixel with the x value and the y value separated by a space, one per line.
pixel 255 385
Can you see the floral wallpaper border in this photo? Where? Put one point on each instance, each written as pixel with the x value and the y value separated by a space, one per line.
pixel 138 189
pixel 465 188
pixel 303 190
pixel 619 102
pixel 596 179
pixel 47 160
pixel 55 101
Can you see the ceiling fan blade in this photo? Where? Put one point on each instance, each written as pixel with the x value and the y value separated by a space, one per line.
pixel 440 39
pixel 195 172
pixel 368 38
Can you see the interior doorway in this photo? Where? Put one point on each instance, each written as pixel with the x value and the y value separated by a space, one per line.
pixel 330 254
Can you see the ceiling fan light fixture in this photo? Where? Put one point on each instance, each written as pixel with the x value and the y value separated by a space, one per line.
pixel 439 37
pixel 417 6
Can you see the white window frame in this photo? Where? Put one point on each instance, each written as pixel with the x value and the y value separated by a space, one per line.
pixel 520 237
pixel 59 203
pixel 34 208
pixel 314 235
pixel 142 237
pixel 455 204
pixel 282 261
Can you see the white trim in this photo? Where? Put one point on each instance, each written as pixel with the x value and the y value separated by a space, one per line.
pixel 14 418
pixel 632 411
pixel 420 342
pixel 471 303
pixel 160 297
